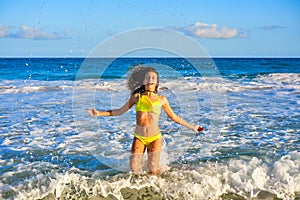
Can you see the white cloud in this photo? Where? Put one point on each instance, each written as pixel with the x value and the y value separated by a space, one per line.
pixel 38 34
pixel 3 31
pixel 203 30
pixel 35 33
pixel 272 27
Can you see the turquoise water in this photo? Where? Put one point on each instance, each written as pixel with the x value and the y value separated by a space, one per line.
pixel 51 147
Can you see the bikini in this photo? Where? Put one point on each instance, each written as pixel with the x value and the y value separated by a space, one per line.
pixel 144 104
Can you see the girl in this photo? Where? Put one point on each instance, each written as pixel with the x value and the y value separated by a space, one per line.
pixel 143 83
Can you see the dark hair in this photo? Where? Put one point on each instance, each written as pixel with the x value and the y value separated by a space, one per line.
pixel 139 90
pixel 136 79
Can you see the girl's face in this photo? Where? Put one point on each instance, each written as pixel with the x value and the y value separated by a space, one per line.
pixel 150 80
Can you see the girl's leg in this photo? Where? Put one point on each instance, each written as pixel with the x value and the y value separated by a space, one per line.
pixel 136 157
pixel 153 150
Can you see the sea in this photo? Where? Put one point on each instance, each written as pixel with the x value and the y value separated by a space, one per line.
pixel 50 148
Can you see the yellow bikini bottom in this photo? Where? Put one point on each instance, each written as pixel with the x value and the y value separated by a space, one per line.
pixel 147 140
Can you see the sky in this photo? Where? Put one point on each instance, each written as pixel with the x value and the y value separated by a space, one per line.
pixel 224 28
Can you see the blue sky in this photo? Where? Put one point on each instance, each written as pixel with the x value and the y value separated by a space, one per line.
pixel 225 28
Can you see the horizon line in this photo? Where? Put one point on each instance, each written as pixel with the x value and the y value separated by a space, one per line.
pixel 135 57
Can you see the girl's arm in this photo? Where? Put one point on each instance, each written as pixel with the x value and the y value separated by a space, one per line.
pixel 177 119
pixel 96 113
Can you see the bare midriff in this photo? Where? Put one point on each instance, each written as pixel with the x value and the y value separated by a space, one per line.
pixel 147 124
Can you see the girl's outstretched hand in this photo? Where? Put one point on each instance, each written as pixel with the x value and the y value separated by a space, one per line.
pixel 92 112
pixel 198 128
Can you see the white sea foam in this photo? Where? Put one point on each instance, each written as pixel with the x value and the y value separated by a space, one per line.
pixel 246 178
pixel 18 86
pixel 261 82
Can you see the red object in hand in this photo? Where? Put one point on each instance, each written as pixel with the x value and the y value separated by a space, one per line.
pixel 200 129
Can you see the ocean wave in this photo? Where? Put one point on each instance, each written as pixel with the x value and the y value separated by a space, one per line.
pixel 18 86
pixel 238 178
pixel 280 78
pixel 209 84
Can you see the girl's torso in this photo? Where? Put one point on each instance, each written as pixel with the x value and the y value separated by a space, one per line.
pixel 148 110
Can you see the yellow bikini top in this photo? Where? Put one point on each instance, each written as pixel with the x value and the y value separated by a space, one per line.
pixel 144 104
